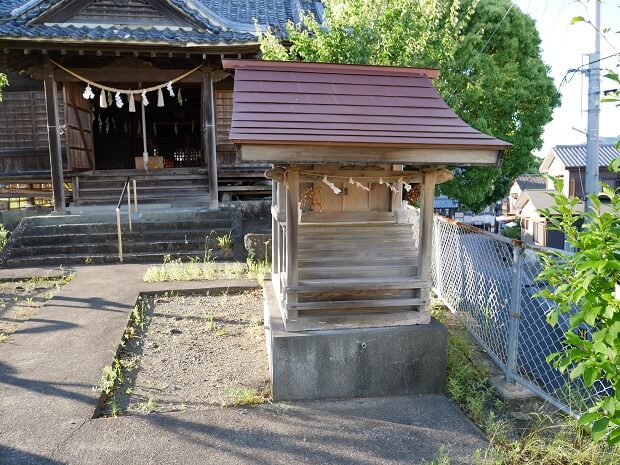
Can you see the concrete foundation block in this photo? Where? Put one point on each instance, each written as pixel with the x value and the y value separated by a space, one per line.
pixel 346 363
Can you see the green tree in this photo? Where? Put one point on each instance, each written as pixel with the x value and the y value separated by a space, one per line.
pixel 505 90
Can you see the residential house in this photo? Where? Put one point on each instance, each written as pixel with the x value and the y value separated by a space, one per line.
pixel 522 183
pixel 568 163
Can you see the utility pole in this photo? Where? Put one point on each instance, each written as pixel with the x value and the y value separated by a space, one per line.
pixel 594 110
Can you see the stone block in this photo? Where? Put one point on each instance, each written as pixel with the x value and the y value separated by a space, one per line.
pixel 347 363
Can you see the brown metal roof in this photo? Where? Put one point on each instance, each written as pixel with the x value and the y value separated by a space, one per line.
pixel 354 105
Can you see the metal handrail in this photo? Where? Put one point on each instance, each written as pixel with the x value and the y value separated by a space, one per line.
pixel 126 190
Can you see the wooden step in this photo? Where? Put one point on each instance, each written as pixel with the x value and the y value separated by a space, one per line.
pixel 357 284
pixel 356 304
pixel 345 269
pixel 330 261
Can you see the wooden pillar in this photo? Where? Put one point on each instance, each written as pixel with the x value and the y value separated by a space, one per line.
pixel 209 141
pixel 292 240
pixel 275 234
pixel 53 133
pixel 426 230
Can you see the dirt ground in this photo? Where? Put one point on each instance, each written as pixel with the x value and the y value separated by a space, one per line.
pixel 196 352
pixel 21 301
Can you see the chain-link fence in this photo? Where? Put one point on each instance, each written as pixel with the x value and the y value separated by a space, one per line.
pixel 489 282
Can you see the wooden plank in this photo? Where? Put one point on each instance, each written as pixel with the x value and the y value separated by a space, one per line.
pixel 349 321
pixel 342 218
pixel 448 154
pixel 292 239
pixel 53 129
pixel 344 304
pixel 378 284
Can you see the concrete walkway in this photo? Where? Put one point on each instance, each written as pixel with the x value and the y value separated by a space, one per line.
pixel 49 367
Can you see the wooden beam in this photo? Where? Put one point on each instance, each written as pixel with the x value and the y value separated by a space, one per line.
pixel 53 132
pixel 426 230
pixel 209 141
pixel 292 241
pixel 346 154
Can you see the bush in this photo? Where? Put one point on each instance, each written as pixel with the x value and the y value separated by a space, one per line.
pixel 585 287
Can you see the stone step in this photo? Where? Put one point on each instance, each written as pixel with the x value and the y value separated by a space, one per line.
pixel 111 248
pixel 77 259
pixel 356 284
pixel 86 228
pixel 104 237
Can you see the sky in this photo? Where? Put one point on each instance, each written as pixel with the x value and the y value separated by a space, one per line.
pixel 564 46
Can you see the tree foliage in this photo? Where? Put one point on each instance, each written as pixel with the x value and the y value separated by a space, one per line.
pixel 586 287
pixel 504 91
pixel 3 83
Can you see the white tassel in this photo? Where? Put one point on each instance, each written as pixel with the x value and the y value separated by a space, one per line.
pixel 180 97
pixel 103 103
pixel 169 89
pixel 160 98
pixel 88 93
pixel 332 186
pixel 132 104
pixel 145 100
pixel 119 100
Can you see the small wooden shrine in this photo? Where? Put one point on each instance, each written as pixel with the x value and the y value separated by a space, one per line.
pixel 349 144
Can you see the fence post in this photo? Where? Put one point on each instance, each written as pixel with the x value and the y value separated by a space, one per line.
pixel 514 313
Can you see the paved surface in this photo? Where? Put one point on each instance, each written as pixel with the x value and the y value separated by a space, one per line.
pixel 49 366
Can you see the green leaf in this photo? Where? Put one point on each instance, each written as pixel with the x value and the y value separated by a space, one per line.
pixel 590 376
pixel 614 437
pixel 577 19
pixel 599 428
pixel 588 418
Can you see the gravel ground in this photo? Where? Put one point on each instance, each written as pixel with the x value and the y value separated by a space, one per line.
pixel 21 300
pixel 196 352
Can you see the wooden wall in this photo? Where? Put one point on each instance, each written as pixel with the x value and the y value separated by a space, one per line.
pixel 23 132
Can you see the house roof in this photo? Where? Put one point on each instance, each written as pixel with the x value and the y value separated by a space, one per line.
pixel 209 22
pixel 352 105
pixel 575 156
pixel 540 199
pixel 531 181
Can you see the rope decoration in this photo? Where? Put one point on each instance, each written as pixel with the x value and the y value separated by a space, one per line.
pixel 105 97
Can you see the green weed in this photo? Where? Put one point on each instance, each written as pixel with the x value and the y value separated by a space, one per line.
pixel 238 396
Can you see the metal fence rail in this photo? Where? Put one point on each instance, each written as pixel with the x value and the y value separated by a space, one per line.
pixel 488 282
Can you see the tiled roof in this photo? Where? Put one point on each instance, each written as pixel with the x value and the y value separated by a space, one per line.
pixel 531 181
pixel 574 156
pixel 220 21
pixel 319 103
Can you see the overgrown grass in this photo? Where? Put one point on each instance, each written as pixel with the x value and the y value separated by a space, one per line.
pixel 112 375
pixel 4 236
pixel 239 396
pixel 550 439
pixel 205 269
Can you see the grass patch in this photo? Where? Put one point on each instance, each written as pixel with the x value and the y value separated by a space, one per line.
pixel 239 396
pixel 205 269
pixel 551 438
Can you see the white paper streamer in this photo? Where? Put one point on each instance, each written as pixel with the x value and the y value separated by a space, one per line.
pixel 103 102
pixel 145 100
pixel 332 186
pixel 132 104
pixel 180 97
pixel 160 98
pixel 169 89
pixel 358 184
pixel 119 100
pixel 109 98
pixel 88 93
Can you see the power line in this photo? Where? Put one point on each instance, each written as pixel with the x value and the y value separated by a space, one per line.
pixel 567 80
